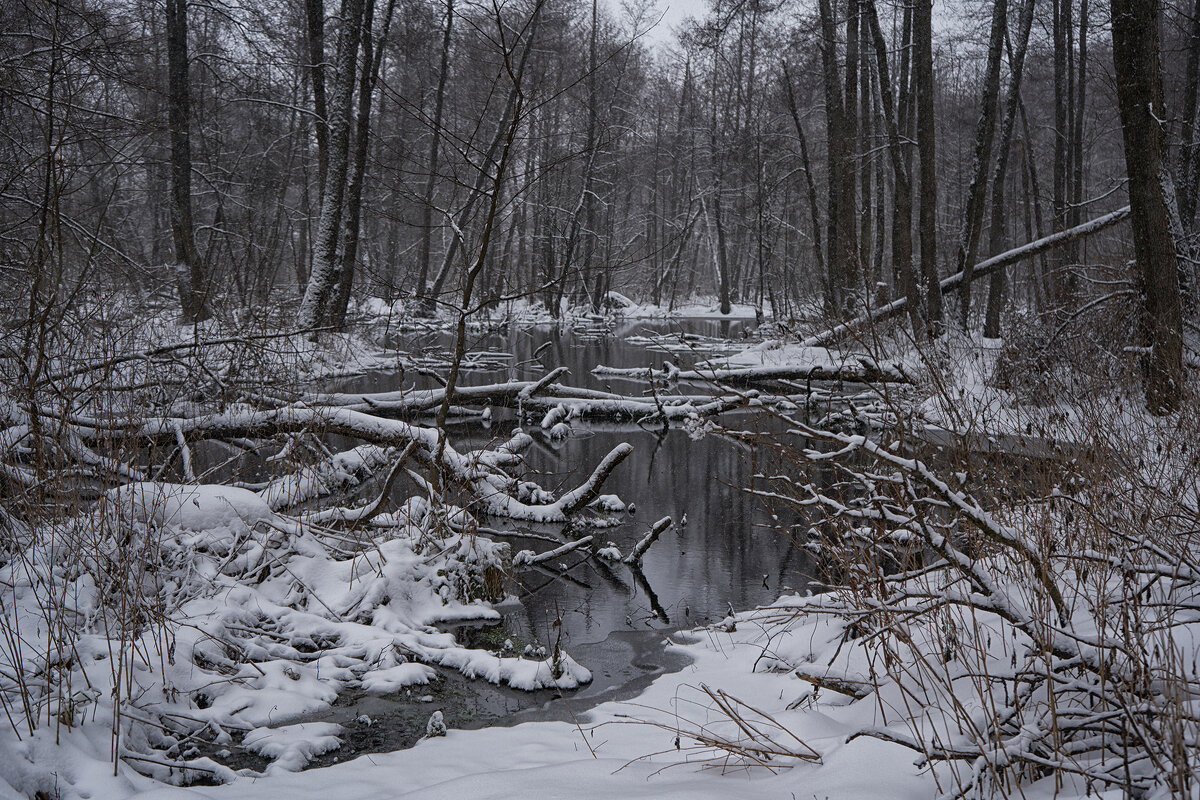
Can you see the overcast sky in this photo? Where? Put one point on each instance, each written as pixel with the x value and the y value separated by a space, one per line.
pixel 674 12
pixel 947 14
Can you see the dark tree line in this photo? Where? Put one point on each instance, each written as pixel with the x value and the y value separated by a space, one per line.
pixel 806 157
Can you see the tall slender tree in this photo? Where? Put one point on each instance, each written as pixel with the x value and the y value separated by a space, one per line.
pixel 902 245
pixel 189 270
pixel 927 148
pixel 1188 175
pixel 972 227
pixel 435 142
pixel 1140 100
pixel 998 282
pixel 321 283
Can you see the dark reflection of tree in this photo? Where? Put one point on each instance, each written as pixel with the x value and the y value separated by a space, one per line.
pixel 651 597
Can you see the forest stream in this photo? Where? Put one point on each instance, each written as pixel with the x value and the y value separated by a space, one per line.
pixel 721 554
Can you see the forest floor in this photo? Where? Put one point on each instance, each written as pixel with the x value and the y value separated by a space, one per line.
pixel 1008 663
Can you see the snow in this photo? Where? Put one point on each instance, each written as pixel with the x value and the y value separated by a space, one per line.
pixel 256 627
pixel 193 508
pixel 292 746
pixel 393 679
pixel 628 749
pixel 264 625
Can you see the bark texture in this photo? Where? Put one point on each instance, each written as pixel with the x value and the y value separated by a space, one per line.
pixel 189 271
pixel 1139 97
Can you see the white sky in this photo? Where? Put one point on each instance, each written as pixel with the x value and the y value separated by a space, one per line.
pixel 947 14
pixel 674 12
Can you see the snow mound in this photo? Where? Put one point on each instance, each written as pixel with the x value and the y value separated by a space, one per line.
pixel 192 508
pixel 293 746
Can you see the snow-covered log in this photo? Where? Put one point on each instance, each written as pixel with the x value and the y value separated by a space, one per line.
pixel 529 557
pixel 985 267
pixel 639 550
pixel 859 369
pixel 577 403
pixel 490 487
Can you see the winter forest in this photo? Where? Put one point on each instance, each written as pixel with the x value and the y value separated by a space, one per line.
pixel 574 399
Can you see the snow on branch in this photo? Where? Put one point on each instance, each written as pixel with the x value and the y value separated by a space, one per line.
pixel 985 267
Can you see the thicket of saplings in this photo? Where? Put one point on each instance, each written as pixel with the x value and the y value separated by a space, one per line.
pixel 1022 598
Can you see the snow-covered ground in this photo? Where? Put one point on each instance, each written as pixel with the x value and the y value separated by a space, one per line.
pixel 842 695
pixel 629 749
pixel 526 312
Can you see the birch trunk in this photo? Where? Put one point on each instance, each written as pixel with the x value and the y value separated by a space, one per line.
pixel 314 306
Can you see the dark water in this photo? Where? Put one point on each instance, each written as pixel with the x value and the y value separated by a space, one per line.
pixel 723 556
pixel 612 619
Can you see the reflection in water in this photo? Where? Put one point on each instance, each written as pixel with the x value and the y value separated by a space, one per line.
pixel 724 552
pixel 721 556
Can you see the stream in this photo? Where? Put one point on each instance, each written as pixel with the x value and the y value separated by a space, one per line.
pixel 720 554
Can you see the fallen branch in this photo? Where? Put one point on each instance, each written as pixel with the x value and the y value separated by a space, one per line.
pixel 639 550
pixel 358 516
pixel 865 371
pixel 529 557
pixel 842 685
pixel 577 498
pixel 953 282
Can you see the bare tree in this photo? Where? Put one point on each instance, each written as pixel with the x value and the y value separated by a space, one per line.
pixel 1189 133
pixel 1140 99
pixel 927 148
pixel 189 271
pixel 902 249
pixel 372 58
pixel 996 289
pixel 435 141
pixel 321 283
pixel 972 227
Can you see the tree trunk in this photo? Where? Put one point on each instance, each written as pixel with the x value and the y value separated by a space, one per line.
pixel 1189 131
pixel 592 148
pixel 926 145
pixel 1139 99
pixel 810 185
pixel 314 11
pixel 314 306
pixel 848 241
pixel 1080 102
pixel 1062 281
pixel 968 244
pixel 866 159
pixel 996 232
pixel 372 58
pixel 189 272
pixel 435 142
pixel 833 152
pixel 901 178
pixel 1035 191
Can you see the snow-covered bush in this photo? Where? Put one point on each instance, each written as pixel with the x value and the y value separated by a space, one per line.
pixel 1018 631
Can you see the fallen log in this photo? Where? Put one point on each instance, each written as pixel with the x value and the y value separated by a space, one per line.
pixel 589 404
pixel 856 689
pixel 478 471
pixel 986 267
pixel 858 369
pixel 639 550
pixel 529 557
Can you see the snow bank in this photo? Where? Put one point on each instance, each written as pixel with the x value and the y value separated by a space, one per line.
pixel 208 614
pixel 632 750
